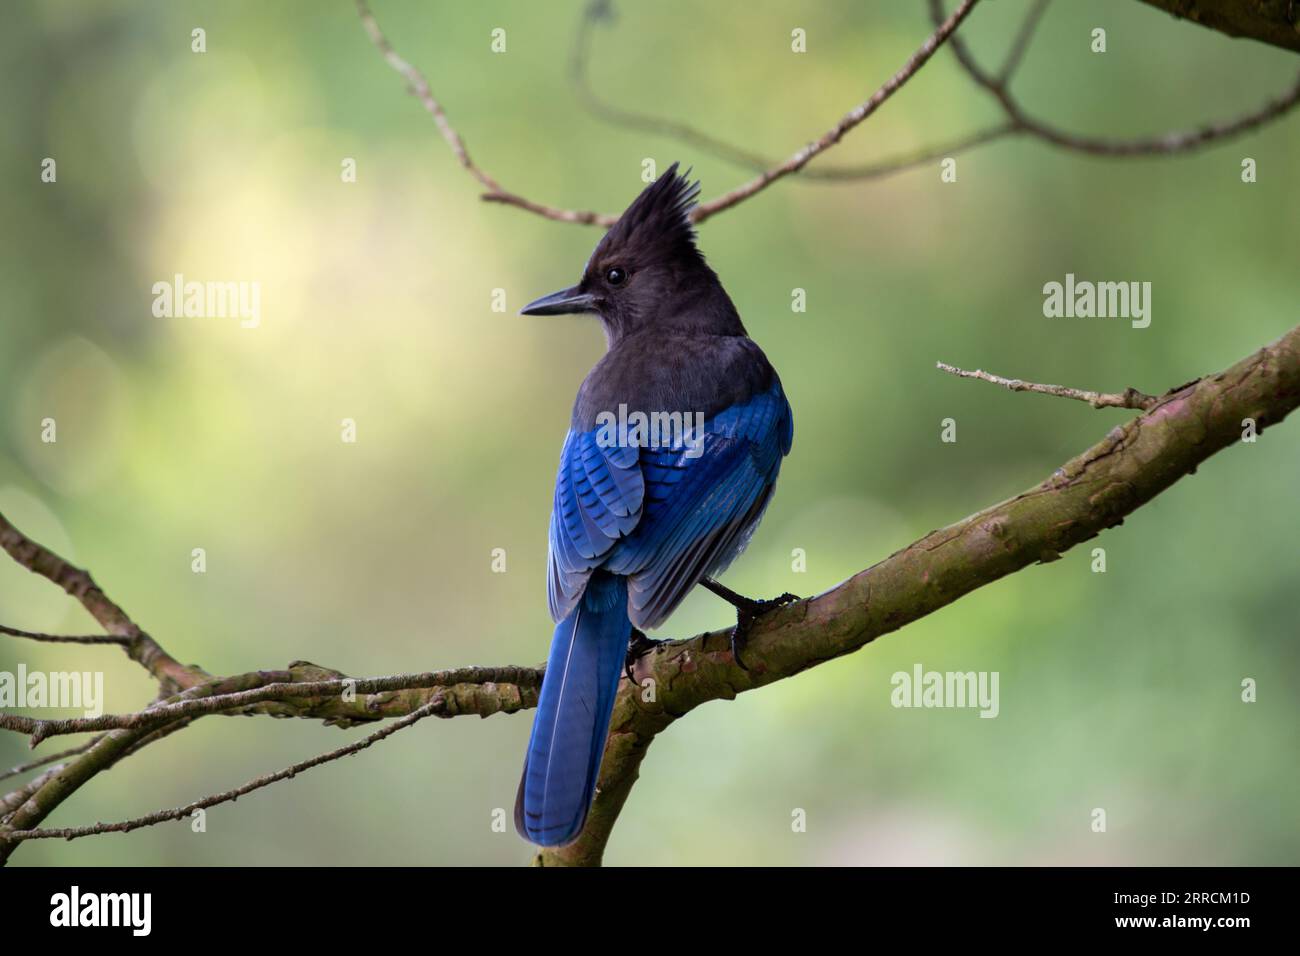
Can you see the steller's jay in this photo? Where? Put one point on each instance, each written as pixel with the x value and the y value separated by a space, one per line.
pixel 640 517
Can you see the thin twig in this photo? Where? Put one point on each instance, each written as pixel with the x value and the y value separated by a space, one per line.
pixel 50 789
pixel 1176 141
pixel 139 646
pixel 495 193
pixel 420 87
pixel 1018 121
pixel 1129 398
pixel 849 121
pixel 607 112
pixel 702 141
pixel 1021 43
pixel 51 758
pixel 67 638
pixel 900 164
pixel 179 813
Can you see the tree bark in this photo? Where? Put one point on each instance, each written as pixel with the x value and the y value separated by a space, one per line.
pixel 1275 22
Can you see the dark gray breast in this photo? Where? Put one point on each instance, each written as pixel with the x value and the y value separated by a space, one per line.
pixel 663 371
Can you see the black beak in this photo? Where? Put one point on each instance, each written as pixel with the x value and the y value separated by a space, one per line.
pixel 565 302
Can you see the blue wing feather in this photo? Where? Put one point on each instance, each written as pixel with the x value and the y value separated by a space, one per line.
pixel 632 531
pixel 659 516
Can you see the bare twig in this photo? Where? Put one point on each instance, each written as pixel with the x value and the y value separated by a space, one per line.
pixel 420 87
pixel 495 193
pixel 1021 43
pixel 67 639
pixel 43 796
pixel 51 758
pixel 1177 141
pixel 849 121
pixel 139 646
pixel 1129 398
pixel 1018 122
pixel 178 813
pixel 908 161
pixel 598 10
pixel 699 140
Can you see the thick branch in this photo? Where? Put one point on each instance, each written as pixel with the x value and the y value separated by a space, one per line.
pixel 1276 22
pixel 1085 496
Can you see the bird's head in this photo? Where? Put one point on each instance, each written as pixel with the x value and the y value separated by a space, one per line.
pixel 647 272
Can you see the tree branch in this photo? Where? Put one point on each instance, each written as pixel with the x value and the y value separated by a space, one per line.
pixel 1018 121
pixel 1179 141
pixel 600 10
pixel 48 759
pixel 1129 398
pixel 140 647
pixel 1276 22
pixel 67 638
pixel 1021 43
pixel 943 31
pixel 420 87
pixel 496 689
pixel 161 816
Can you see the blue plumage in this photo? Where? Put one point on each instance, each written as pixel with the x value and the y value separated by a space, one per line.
pixel 573 714
pixel 635 526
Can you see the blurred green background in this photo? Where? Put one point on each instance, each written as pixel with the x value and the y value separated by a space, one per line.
pixel 1118 690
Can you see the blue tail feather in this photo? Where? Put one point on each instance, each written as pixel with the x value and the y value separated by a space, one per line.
pixel 573 714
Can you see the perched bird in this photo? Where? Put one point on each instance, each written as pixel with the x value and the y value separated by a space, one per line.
pixel 637 522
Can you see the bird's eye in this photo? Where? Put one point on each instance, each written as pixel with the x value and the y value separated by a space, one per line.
pixel 616 276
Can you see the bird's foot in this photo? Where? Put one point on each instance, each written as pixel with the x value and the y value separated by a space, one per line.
pixel 638 647
pixel 748 610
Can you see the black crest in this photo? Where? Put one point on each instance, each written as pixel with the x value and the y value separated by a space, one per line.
pixel 657 226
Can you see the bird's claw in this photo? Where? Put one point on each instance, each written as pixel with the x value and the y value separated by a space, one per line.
pixel 749 610
pixel 755 608
pixel 638 647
